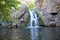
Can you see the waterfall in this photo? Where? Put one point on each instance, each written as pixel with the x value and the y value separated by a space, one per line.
pixel 33 18
pixel 33 25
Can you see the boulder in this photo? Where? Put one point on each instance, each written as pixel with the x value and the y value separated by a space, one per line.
pixel 19 15
pixel 50 11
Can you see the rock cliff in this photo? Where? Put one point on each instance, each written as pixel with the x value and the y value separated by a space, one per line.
pixel 50 11
pixel 20 17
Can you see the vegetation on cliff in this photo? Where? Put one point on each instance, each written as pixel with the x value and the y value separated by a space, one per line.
pixel 5 8
pixel 40 18
pixel 31 5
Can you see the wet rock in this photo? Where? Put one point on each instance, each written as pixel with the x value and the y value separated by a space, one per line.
pixel 50 11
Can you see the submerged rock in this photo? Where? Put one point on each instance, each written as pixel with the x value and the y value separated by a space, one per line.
pixel 50 11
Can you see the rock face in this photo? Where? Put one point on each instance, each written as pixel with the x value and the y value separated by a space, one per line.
pixel 50 11
pixel 17 13
pixel 20 15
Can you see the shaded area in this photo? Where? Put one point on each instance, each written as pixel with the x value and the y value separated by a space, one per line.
pixel 51 33
pixel 14 34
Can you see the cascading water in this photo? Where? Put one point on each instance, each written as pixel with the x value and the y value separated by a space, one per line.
pixel 33 18
pixel 33 25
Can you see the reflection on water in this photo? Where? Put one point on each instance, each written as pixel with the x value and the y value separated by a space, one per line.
pixel 34 34
pixel 19 34
pixel 30 34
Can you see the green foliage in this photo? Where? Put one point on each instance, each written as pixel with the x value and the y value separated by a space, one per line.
pixel 5 8
pixel 40 18
pixel 31 5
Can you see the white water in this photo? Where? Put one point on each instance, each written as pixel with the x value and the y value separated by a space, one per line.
pixel 33 25
pixel 33 18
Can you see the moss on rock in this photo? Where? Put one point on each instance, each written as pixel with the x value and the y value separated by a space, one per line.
pixel 40 18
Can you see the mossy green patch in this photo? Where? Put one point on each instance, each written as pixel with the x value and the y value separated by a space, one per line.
pixel 40 18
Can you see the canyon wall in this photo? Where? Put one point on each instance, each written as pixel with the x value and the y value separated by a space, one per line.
pixel 50 11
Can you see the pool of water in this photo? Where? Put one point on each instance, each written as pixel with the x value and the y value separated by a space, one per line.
pixel 46 33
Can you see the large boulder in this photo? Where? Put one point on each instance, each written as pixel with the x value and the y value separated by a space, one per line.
pixel 17 13
pixel 50 11
pixel 20 15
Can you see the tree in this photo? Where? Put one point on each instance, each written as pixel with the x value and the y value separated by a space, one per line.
pixel 6 6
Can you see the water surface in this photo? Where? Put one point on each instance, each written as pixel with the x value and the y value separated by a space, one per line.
pixel 20 33
pixel 45 33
